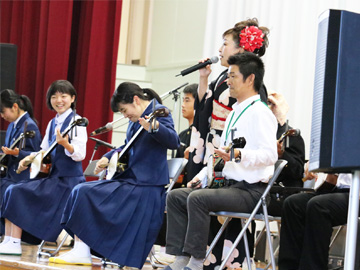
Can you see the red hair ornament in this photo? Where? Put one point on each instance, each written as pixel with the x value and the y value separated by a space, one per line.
pixel 251 38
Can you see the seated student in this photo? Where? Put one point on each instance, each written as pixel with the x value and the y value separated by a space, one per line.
pixel 187 109
pixel 120 218
pixel 307 223
pixel 188 208
pixel 17 110
pixel 35 207
pixel 294 154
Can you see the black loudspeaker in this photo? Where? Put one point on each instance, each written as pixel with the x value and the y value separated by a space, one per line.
pixel 8 53
pixel 335 128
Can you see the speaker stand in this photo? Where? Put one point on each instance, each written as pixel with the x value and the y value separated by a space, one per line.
pixel 352 222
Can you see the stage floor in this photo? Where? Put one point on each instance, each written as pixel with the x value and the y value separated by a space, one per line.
pixel 30 260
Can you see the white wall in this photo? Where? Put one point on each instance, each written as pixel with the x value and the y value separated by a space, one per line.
pixel 177 38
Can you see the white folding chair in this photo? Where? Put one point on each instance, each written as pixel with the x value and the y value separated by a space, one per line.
pixel 89 171
pixel 176 166
pixel 254 215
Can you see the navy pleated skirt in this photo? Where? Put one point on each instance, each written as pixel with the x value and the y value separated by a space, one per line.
pixel 116 219
pixel 37 206
pixel 4 184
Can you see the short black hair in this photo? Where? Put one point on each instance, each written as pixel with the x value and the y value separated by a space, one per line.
pixel 61 86
pixel 249 63
pixel 191 89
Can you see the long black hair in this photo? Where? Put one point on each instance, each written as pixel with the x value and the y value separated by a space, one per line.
pixel 125 94
pixel 9 98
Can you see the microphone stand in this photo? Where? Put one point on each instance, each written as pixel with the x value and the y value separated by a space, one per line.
pixel 97 144
pixel 101 174
pixel 175 96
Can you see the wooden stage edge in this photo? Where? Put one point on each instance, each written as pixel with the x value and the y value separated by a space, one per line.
pixel 30 260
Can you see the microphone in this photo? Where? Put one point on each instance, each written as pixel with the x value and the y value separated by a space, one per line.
pixel 210 61
pixel 102 130
pixel 100 142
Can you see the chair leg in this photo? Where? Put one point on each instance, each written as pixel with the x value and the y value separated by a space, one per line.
pixel 336 235
pixel 258 238
pixel 246 244
pixel 42 251
pixel 268 234
pixel 155 263
pixel 105 262
pixel 241 235
pixel 217 237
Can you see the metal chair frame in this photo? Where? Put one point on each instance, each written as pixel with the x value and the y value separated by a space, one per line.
pixel 176 166
pixel 48 251
pixel 254 215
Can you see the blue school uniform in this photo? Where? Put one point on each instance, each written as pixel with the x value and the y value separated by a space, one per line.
pixel 31 145
pixel 120 218
pixel 36 206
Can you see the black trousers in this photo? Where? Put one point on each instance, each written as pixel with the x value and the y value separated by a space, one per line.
pixel 306 227
pixel 188 219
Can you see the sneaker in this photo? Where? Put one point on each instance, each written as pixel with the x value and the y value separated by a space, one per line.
pixel 70 258
pixel 10 249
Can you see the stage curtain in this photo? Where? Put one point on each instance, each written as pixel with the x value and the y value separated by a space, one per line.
pixel 73 40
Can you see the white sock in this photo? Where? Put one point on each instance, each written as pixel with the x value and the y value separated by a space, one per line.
pixel 179 263
pixel 195 264
pixel 15 241
pixel 6 239
pixel 81 249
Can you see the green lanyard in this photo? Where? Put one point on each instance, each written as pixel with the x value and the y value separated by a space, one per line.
pixel 227 131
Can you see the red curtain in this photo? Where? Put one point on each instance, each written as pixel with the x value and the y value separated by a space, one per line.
pixel 73 40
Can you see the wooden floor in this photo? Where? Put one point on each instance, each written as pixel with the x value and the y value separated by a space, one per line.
pixel 30 260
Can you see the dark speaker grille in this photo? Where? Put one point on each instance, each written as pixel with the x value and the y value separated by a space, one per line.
pixel 318 95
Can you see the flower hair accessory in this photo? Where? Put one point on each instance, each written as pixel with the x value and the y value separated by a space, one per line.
pixel 251 38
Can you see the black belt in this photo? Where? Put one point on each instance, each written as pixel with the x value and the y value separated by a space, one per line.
pixel 229 182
